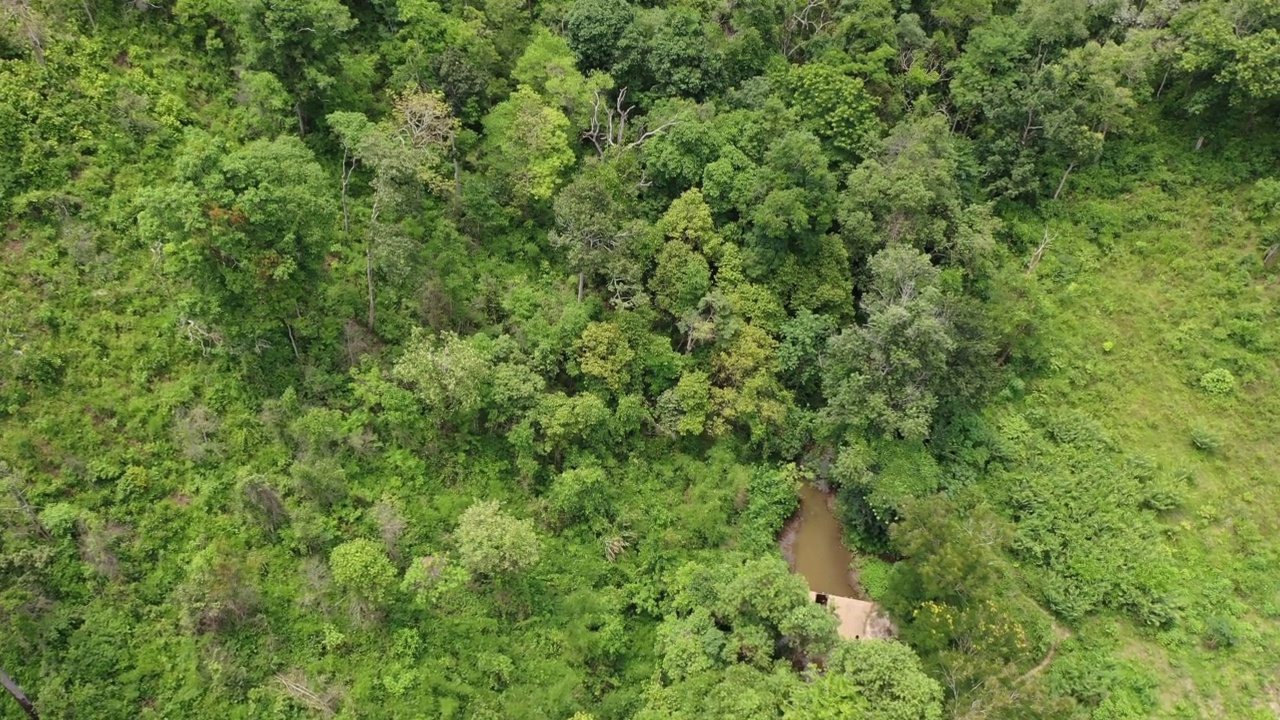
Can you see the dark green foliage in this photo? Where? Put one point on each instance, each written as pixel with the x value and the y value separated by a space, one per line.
pixel 407 358
pixel 594 28
pixel 247 229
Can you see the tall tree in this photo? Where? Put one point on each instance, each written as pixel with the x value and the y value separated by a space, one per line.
pixel 527 146
pixel 887 373
pixel 248 228
pixel 408 152
pixel 300 41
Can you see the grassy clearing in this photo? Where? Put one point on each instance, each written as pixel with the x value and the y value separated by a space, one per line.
pixel 1143 300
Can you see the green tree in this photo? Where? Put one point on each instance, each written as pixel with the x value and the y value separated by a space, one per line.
pixel 448 374
pixel 790 203
pixel 494 545
pixel 248 228
pixel 594 28
pixel 887 373
pixel 873 679
pixel 595 225
pixel 527 146
pixel 605 354
pixel 666 53
pixel 909 192
pixel 361 567
pixel 681 279
pixel 1227 47
pixel 548 67
pixel 834 106
pixel 739 610
pixel 299 40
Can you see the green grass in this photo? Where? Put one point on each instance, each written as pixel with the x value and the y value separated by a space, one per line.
pixel 1137 298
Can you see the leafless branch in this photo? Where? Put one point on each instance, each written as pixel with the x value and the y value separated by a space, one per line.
pixel 608 129
pixel 1039 253
pixel 296 686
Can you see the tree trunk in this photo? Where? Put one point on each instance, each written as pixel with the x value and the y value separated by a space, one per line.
pixel 8 684
pixel 368 279
pixel 292 342
pixel 581 281
pixel 457 181
pixel 1062 183
pixel 346 180
pixel 368 264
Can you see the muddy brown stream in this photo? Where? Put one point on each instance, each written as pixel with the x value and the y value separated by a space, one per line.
pixel 813 543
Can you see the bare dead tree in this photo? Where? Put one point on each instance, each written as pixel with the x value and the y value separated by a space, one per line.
pixel 803 25
pixel 16 691
pixel 608 130
pixel 1063 182
pixel 29 24
pixel 295 684
pixel 1039 253
pixel 14 483
pixel 1273 252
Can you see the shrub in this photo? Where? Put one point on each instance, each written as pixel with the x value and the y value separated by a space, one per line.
pixel 1221 633
pixel 875 576
pixel 362 567
pixel 1218 382
pixel 60 518
pixel 1205 439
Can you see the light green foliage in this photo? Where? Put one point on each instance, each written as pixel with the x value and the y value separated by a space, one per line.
pixel 548 67
pixel 772 498
pixel 875 576
pixel 60 518
pixel 1229 44
pixel 835 105
pixel 362 568
pixel 494 545
pixel 448 374
pixel 1218 382
pixel 689 219
pixel 605 354
pixel 528 145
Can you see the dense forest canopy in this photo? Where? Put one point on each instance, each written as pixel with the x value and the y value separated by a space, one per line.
pixel 464 359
